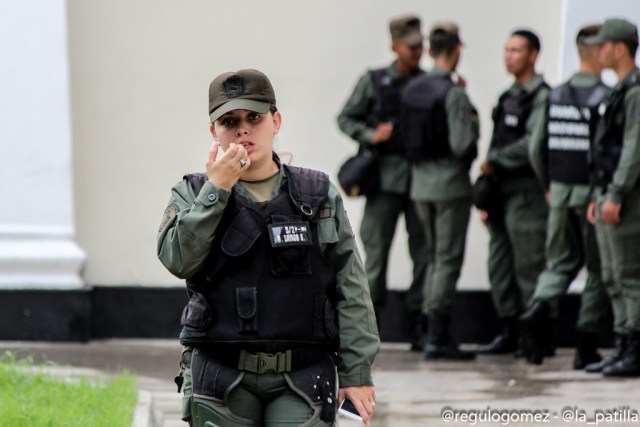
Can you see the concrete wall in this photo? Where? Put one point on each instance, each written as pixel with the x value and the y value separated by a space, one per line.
pixel 139 78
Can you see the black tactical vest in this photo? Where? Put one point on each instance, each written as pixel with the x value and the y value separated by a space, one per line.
pixel 389 91
pixel 509 124
pixel 609 136
pixel 266 285
pixel 423 121
pixel 572 115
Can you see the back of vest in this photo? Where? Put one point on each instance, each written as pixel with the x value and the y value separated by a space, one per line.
pixel 423 119
pixel 571 118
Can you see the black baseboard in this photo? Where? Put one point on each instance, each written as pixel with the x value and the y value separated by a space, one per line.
pixel 154 312
pixel 45 315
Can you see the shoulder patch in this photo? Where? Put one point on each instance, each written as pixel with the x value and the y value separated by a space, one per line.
pixel 169 213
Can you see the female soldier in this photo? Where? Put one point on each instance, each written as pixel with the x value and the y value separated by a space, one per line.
pixel 278 295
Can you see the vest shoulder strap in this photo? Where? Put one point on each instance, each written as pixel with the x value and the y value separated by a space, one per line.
pixel 377 75
pixel 308 189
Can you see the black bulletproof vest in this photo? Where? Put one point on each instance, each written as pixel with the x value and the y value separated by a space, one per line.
pixel 607 145
pixel 572 114
pixel 509 124
pixel 266 285
pixel 423 121
pixel 389 91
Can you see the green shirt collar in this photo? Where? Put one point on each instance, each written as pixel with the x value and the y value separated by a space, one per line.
pixel 277 184
pixel 437 71
pixel 582 78
pixel 394 73
pixel 530 85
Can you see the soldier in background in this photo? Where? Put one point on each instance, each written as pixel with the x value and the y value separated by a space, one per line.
pixel 440 133
pixel 617 194
pixel 560 161
pixel 370 118
pixel 517 222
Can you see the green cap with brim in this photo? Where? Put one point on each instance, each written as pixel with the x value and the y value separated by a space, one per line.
pixel 241 90
pixel 615 30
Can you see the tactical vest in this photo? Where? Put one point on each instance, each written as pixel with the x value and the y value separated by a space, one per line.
pixel 572 115
pixel 423 121
pixel 509 124
pixel 265 285
pixel 609 136
pixel 389 92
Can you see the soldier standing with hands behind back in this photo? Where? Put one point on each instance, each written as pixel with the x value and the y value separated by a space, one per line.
pixel 370 117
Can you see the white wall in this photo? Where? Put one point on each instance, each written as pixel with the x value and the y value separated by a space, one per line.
pixel 139 78
pixel 578 13
pixel 37 248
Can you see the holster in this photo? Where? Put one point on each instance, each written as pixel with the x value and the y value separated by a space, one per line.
pixel 319 383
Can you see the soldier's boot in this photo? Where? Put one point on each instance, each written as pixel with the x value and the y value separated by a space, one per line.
pixel 418 330
pixel 548 337
pixel 629 363
pixel 506 341
pixel 439 344
pixel 620 344
pixel 535 332
pixel 586 350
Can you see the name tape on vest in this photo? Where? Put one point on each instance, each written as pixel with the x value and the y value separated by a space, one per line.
pixel 290 234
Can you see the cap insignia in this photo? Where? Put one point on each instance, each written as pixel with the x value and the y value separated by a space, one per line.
pixel 233 87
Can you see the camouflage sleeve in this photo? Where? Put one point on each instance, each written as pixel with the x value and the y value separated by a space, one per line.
pixel 359 341
pixel 188 226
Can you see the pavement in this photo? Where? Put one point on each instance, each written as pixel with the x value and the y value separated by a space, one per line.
pixel 411 392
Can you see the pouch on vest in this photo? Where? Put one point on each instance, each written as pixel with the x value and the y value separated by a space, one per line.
pixel 325 318
pixel 197 315
pixel 241 235
pixel 290 239
pixel 247 309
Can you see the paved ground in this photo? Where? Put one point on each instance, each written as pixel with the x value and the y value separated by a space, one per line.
pixel 493 390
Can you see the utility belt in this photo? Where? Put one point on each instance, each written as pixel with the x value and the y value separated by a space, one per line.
pixel 262 363
pixel 311 373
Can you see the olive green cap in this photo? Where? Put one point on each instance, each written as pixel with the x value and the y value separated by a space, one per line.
pixel 407 29
pixel 615 30
pixel 241 90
